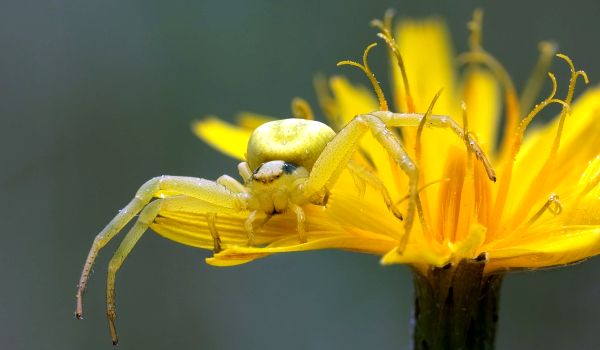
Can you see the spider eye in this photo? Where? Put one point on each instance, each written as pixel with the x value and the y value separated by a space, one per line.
pixel 288 168
pixel 269 171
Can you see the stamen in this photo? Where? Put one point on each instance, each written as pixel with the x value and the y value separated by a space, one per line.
pixel 426 229
pixel 475 27
pixel 419 205
pixel 385 28
pixel 386 34
pixel 574 76
pixel 516 145
pixel 422 188
pixel 301 109
pixel 359 183
pixel 422 125
pixel 388 16
pixel 568 100
pixel 383 105
pixel 466 135
pixel 463 106
pixel 511 100
pixel 541 179
pixel 212 228
pixel 554 84
pixel 534 112
pixel 552 205
pixel 478 55
pixel 524 123
pixel 536 79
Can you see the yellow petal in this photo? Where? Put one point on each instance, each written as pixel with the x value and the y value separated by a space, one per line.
pixel 481 94
pixel 239 255
pixel 568 245
pixel 227 138
pixel 251 121
pixel 352 100
pixel 184 220
pixel 416 256
pixel 578 146
pixel 428 56
pixel 469 247
pixel 584 206
pixel 368 213
pixel 590 177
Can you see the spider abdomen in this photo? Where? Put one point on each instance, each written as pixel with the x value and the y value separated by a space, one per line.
pixel 295 141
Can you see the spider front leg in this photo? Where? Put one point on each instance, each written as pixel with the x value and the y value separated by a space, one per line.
pixel 235 187
pixel 214 194
pixel 231 184
pixel 336 156
pixel 368 177
pixel 440 121
pixel 300 221
pixel 245 171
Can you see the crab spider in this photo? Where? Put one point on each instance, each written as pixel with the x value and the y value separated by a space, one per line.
pixel 290 163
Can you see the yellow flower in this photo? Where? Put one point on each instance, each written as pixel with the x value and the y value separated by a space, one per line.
pixel 544 209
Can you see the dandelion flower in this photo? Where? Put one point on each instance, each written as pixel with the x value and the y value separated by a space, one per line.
pixel 543 210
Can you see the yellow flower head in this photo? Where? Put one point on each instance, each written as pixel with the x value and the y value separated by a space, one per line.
pixel 543 210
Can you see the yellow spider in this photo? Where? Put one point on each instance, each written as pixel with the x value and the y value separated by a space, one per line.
pixel 290 163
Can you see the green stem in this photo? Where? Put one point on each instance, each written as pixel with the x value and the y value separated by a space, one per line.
pixel 456 307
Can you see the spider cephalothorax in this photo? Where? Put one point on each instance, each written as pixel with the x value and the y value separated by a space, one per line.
pixel 280 156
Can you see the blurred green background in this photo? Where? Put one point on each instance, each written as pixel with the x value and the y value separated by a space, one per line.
pixel 98 96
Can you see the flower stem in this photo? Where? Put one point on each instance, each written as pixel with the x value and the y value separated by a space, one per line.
pixel 456 307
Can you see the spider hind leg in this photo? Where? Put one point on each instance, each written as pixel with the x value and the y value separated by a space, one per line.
pixel 146 217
